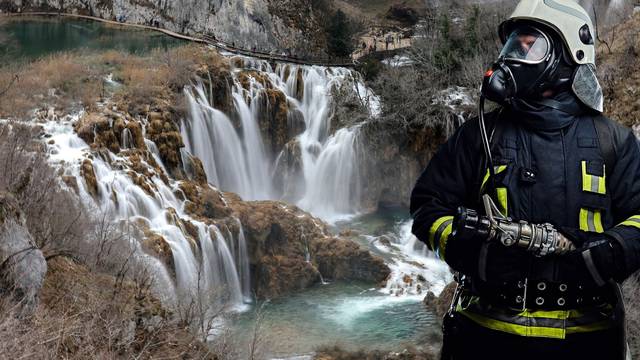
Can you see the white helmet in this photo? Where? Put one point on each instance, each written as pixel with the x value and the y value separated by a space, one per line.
pixel 573 24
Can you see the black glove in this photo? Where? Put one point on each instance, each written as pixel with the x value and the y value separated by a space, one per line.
pixel 596 260
pixel 469 252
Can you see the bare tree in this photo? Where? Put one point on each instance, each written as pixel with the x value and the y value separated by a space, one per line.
pixel 255 343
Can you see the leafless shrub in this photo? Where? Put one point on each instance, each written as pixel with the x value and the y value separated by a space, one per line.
pixel 350 105
pixel 446 53
pixel 256 340
pixel 409 101
pixel 54 217
pixel 200 309
pixel 456 43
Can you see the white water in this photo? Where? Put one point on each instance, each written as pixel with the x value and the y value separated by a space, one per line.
pixel 414 269
pixel 235 159
pixel 204 267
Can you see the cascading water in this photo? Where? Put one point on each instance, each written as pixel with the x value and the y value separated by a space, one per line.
pixel 203 266
pixel 332 178
pixel 236 159
pixel 210 136
pixel 414 269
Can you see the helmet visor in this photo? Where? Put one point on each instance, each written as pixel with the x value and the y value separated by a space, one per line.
pixel 526 45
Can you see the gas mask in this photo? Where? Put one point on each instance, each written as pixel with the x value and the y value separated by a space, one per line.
pixel 530 62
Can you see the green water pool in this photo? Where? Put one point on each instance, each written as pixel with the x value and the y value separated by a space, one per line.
pixel 28 38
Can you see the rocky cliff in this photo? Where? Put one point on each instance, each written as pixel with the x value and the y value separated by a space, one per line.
pixel 267 25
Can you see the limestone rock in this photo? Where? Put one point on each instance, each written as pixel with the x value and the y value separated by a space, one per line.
pixel 89 175
pixel 440 304
pixel 205 202
pixel 341 259
pixel 97 131
pixel 289 170
pixel 156 245
pixel 274 119
pixel 394 159
pixel 164 132
pixel 289 249
pixel 24 266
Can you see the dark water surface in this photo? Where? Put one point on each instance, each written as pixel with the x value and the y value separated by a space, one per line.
pixel 26 39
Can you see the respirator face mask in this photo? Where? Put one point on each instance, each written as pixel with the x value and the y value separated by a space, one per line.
pixel 526 59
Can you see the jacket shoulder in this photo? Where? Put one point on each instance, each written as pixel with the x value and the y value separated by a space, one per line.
pixel 620 133
pixel 469 131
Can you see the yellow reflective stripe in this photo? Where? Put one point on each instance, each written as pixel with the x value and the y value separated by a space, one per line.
pixel 443 239
pixel 554 314
pixel 597 219
pixel 434 229
pixel 584 225
pixel 538 323
pixel 593 183
pixel 586 179
pixel 601 325
pixel 538 331
pixel 591 220
pixel 497 170
pixel 522 330
pixel 632 221
pixel 503 201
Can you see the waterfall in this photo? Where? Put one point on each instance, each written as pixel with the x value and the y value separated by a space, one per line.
pixel 204 265
pixel 326 181
pixel 414 269
pixel 242 258
pixel 333 178
pixel 210 136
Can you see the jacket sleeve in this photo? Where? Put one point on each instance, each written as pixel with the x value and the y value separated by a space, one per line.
pixel 446 183
pixel 625 201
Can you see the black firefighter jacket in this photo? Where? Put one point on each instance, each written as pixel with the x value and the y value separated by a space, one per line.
pixel 549 169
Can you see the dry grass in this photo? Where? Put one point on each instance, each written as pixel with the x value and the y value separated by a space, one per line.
pixel 69 81
pixel 58 81
pixel 86 315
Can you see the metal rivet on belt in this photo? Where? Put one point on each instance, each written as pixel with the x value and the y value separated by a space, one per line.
pixel 563 287
pixel 561 301
pixel 519 299
pixel 539 301
pixel 542 286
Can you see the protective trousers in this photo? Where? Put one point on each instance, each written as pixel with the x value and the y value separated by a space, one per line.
pixel 464 340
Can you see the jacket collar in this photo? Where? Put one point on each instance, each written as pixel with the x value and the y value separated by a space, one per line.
pixel 550 114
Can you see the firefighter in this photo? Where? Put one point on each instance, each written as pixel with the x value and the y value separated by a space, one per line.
pixel 543 170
